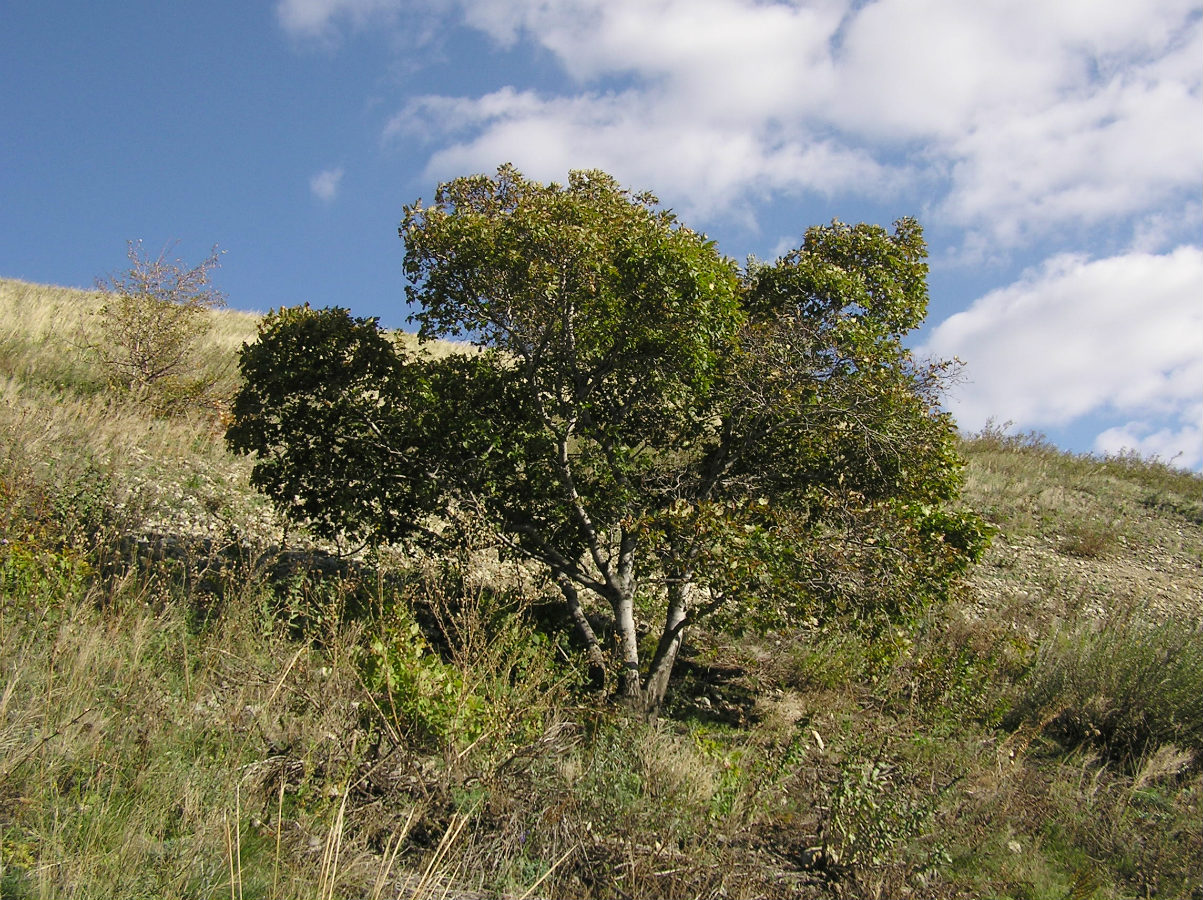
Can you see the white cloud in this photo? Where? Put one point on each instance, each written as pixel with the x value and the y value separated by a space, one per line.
pixel 325 184
pixel 1074 337
pixel 1085 156
pixel 1028 117
pixel 733 58
pixel 1156 230
pixel 1181 446
pixel 937 67
pixel 631 134
pixel 315 19
pixel 714 115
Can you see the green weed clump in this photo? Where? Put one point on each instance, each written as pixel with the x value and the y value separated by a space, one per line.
pixel 479 671
pixel 1123 686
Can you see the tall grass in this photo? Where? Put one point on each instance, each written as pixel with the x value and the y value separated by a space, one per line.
pixel 128 741
pixel 1126 687
pixel 186 711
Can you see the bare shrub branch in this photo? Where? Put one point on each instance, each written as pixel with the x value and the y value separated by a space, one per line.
pixel 151 320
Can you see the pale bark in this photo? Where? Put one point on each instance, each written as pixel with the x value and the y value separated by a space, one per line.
pixel 680 593
pixel 593 651
pixel 629 685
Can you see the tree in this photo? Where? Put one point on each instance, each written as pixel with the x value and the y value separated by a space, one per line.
pixel 665 435
pixel 151 320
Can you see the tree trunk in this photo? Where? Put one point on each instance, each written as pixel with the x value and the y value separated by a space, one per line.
pixel 679 594
pixel 593 651
pixel 630 688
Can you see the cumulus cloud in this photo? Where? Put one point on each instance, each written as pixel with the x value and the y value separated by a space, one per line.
pixel 1027 116
pixel 1075 337
pixel 1107 149
pixel 734 58
pixel 712 116
pixel 325 184
pixel 1180 446
pixel 630 134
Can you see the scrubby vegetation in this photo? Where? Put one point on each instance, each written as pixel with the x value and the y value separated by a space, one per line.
pixel 147 328
pixel 198 702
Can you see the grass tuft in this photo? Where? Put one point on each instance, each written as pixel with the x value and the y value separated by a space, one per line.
pixel 1124 687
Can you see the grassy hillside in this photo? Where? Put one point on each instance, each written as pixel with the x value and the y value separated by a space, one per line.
pixel 195 703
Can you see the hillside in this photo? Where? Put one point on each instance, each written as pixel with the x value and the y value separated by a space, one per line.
pixel 1083 536
pixel 196 701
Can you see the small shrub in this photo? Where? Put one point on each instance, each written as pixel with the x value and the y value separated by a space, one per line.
pixel 474 665
pixel 835 658
pixel 1088 540
pixel 951 679
pixel 879 832
pixel 34 578
pixel 424 694
pixel 1124 686
pixel 150 323
pixel 826 660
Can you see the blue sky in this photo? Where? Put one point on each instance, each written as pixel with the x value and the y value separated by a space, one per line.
pixel 1052 149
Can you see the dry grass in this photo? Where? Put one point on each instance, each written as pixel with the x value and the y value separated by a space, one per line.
pixel 132 745
pixel 38 312
pixel 201 719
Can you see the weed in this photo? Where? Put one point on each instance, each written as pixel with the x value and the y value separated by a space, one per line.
pixel 1122 685
pixel 1088 540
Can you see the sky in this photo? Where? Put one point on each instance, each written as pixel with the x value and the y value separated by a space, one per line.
pixel 1051 149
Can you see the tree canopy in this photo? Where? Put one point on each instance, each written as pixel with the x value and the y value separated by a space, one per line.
pixel 666 435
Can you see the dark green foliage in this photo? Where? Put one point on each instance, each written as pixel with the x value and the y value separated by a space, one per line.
pixel 320 390
pixel 663 436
